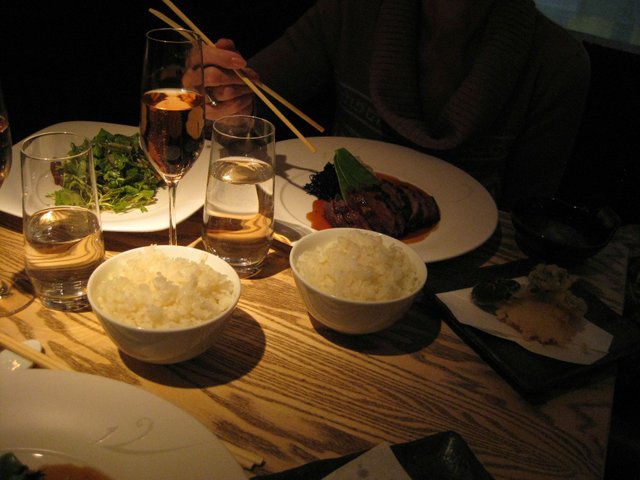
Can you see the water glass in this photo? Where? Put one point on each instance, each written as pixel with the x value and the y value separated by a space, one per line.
pixel 61 218
pixel 238 211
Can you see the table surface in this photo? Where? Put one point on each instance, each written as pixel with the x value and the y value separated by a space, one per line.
pixel 282 386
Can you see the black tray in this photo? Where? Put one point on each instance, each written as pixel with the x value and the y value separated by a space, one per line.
pixel 534 376
pixel 445 456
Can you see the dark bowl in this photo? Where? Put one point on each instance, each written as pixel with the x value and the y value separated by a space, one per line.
pixel 555 231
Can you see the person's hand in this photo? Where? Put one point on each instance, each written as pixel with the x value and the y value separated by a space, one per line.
pixel 228 93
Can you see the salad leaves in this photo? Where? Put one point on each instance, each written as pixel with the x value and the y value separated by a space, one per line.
pixel 125 179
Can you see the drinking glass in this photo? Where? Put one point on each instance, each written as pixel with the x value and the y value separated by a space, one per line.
pixel 15 292
pixel 60 218
pixel 172 107
pixel 238 212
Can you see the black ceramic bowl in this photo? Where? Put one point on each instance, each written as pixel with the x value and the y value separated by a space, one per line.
pixel 555 231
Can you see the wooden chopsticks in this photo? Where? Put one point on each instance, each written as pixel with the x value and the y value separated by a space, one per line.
pixel 253 86
pixel 246 459
pixel 38 358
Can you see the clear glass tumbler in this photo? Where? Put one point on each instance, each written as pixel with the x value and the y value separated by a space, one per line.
pixel 61 219
pixel 238 211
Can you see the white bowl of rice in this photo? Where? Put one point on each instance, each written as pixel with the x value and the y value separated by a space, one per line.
pixel 163 304
pixel 356 281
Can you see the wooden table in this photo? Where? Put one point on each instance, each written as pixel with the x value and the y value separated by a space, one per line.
pixel 281 386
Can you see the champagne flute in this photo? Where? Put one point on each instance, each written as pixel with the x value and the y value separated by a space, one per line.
pixel 172 107
pixel 5 141
pixel 15 293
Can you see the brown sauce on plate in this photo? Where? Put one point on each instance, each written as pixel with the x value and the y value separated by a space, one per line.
pixel 67 471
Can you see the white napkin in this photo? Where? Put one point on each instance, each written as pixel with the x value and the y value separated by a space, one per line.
pixel 379 463
pixel 588 346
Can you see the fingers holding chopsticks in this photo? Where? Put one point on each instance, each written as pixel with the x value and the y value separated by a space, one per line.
pixel 238 105
pixel 228 94
pixel 224 55
pixel 214 104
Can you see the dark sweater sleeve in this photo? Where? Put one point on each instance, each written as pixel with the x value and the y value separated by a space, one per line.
pixel 299 64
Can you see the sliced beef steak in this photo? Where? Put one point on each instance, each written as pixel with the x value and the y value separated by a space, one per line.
pixel 395 209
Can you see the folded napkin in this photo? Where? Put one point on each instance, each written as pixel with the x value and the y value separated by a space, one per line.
pixel 379 463
pixel 445 456
pixel 588 346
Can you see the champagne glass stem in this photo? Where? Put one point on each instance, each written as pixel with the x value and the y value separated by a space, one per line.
pixel 173 236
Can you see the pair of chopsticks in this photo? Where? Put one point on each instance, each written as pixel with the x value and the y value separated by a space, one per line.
pixel 38 358
pixel 253 86
pixel 246 459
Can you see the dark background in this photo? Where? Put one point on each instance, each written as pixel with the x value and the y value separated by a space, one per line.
pixel 82 60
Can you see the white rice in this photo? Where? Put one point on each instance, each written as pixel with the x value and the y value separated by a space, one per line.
pixel 152 290
pixel 358 266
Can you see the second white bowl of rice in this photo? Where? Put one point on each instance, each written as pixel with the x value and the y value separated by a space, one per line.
pixel 163 304
pixel 356 281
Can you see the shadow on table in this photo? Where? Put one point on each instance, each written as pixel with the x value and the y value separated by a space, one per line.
pixel 276 262
pixel 237 351
pixel 416 330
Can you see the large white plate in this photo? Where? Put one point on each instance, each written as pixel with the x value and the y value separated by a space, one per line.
pixel 469 213
pixel 189 198
pixel 51 416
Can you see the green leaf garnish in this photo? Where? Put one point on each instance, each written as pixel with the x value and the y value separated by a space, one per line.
pixel 351 173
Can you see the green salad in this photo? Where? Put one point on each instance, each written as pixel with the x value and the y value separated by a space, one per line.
pixel 125 179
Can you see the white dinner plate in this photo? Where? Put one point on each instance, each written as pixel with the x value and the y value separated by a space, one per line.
pixel 469 214
pixel 58 417
pixel 189 197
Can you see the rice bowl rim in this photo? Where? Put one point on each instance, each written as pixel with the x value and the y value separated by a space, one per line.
pixel 187 253
pixel 332 234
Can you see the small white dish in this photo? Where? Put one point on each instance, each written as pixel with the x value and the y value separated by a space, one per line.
pixel 12 361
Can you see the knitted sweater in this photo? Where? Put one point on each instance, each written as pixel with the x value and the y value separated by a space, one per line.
pixel 503 100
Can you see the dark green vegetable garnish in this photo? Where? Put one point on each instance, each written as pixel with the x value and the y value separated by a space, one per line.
pixel 125 179
pixel 13 469
pixel 323 185
pixel 346 174
pixel 493 292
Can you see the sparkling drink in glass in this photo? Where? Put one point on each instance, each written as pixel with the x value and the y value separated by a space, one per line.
pixel 5 148
pixel 172 107
pixel 61 218
pixel 5 142
pixel 15 292
pixel 238 215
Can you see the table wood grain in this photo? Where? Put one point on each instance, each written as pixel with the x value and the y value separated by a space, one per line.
pixel 280 385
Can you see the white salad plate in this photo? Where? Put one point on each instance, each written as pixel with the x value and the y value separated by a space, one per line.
pixel 469 215
pixel 189 197
pixel 55 417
